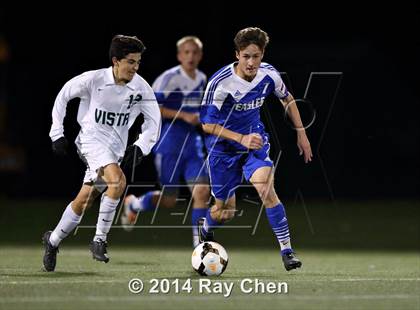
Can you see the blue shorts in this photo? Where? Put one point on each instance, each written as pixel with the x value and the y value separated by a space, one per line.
pixel 226 170
pixel 172 168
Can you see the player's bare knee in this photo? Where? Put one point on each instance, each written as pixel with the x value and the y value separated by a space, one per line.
pixel 267 194
pixel 116 185
pixel 201 193
pixel 123 183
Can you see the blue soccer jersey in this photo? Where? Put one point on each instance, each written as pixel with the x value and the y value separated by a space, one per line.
pixel 235 104
pixel 179 151
pixel 175 90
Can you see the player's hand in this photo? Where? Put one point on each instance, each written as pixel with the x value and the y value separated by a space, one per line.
pixel 60 146
pixel 304 146
pixel 191 118
pixel 132 157
pixel 252 141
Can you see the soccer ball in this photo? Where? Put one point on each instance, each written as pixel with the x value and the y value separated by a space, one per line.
pixel 209 259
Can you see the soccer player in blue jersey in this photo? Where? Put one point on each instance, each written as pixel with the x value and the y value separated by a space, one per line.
pixel 236 140
pixel 179 152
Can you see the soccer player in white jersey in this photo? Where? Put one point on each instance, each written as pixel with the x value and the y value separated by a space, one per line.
pixel 237 142
pixel 110 101
pixel 179 152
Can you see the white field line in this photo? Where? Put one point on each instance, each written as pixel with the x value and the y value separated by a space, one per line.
pixel 182 297
pixel 87 281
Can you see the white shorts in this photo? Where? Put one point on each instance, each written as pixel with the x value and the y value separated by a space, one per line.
pixel 96 156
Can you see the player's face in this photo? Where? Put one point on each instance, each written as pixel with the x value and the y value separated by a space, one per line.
pixel 125 68
pixel 189 55
pixel 249 60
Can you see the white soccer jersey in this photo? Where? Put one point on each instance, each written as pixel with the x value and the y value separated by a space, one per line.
pixel 108 110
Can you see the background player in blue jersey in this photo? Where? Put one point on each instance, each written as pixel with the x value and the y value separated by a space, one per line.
pixel 237 142
pixel 179 152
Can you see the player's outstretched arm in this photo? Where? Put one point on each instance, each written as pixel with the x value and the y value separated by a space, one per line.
pixel 303 144
pixel 251 141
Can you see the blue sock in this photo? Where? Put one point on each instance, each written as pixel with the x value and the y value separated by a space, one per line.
pixel 146 202
pixel 278 221
pixel 209 224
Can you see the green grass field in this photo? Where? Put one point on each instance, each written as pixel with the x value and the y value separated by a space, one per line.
pixel 356 255
pixel 328 280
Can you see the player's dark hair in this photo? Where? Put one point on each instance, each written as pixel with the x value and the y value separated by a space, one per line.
pixel 122 45
pixel 251 35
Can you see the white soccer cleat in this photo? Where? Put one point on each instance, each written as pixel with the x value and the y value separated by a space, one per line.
pixel 129 216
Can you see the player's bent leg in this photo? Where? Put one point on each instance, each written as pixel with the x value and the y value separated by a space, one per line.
pixel 85 198
pixel 216 216
pixel 223 211
pixel 201 195
pixel 116 182
pixel 263 181
pixel 115 179
pixel 129 214
pixel 134 205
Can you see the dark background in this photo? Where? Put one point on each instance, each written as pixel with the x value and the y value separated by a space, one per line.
pixel 366 142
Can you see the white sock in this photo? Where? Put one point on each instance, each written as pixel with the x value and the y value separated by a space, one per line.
pixel 196 241
pixel 105 218
pixel 69 221
pixel 285 245
pixel 136 204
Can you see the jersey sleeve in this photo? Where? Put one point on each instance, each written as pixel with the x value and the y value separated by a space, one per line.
pixel 162 87
pixel 152 121
pixel 212 103
pixel 280 89
pixel 78 87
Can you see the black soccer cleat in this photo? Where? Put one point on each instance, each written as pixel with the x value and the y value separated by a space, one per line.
pixel 290 261
pixel 201 236
pixel 50 255
pixel 98 249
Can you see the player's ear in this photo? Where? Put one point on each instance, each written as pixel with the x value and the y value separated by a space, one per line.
pixel 237 55
pixel 114 61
